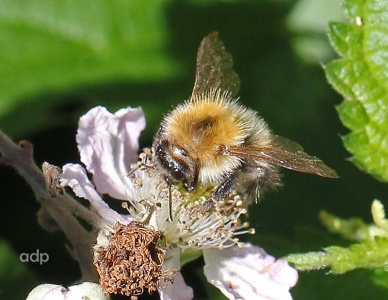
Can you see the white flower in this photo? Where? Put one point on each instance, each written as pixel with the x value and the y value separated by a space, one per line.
pixel 249 273
pixel 86 290
pixel 148 245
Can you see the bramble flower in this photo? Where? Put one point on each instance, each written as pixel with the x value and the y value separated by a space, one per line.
pixel 145 248
pixel 86 290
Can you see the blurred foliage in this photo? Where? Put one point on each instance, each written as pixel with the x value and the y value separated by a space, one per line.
pixel 13 274
pixel 59 59
pixel 310 28
pixel 55 47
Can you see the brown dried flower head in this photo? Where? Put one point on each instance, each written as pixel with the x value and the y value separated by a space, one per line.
pixel 131 262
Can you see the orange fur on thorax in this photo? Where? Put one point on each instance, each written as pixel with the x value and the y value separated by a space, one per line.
pixel 201 128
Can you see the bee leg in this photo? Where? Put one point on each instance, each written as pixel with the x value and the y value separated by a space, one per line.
pixel 207 205
pixel 220 193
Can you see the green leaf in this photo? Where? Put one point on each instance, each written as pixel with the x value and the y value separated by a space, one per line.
pixel 366 254
pixel 57 46
pixel 352 229
pixel 370 253
pixel 345 39
pixel 352 8
pixel 352 114
pixel 380 277
pixel 361 76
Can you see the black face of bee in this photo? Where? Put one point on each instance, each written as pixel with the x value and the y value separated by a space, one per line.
pixel 177 165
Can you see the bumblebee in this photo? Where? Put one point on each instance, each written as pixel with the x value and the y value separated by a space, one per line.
pixel 211 139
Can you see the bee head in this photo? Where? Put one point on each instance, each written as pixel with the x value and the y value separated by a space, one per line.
pixel 176 164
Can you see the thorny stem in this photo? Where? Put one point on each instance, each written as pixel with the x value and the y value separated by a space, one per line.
pixel 20 157
pixel 60 208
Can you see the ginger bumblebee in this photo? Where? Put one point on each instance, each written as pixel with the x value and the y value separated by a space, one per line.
pixel 212 139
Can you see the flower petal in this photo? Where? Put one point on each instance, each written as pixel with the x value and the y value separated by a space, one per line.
pixel 86 290
pixel 249 273
pixel 178 290
pixel 47 292
pixel 74 176
pixel 108 144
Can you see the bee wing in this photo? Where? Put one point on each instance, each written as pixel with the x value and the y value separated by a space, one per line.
pixel 287 154
pixel 215 67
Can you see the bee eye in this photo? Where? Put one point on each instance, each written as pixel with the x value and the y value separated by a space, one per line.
pixel 177 174
pixel 176 164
